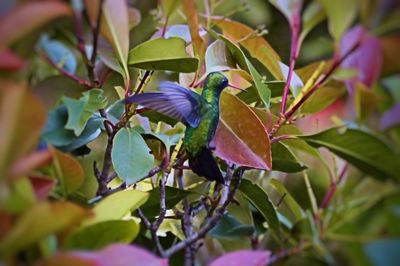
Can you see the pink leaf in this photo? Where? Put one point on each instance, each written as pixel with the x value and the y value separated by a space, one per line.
pixel 367 58
pixel 115 254
pixel 243 257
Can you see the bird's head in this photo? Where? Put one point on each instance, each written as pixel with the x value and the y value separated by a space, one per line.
pixel 218 81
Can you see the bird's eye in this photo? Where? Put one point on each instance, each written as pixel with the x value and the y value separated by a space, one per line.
pixel 224 82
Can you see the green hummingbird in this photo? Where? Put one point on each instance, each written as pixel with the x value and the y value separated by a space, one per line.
pixel 200 114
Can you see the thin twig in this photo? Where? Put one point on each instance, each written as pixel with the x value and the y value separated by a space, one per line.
pixel 319 82
pixel 212 221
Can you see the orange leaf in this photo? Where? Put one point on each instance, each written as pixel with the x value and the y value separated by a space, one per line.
pixel 257 46
pixel 241 137
pixel 190 10
pixel 21 119
pixel 27 18
pixel 68 170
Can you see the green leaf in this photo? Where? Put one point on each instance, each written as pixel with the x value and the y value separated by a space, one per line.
pixel 260 200
pixel 173 196
pixel 231 229
pixel 312 16
pixel 283 160
pixel 99 235
pixel 80 111
pixel 38 222
pixel 363 150
pixel 117 205
pixel 323 97
pixel 54 132
pixel 341 14
pixel 130 156
pixel 294 207
pixel 263 91
pixel 163 54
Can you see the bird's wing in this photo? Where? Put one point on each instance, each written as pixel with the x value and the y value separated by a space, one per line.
pixel 172 100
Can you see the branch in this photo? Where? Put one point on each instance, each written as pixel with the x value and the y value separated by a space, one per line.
pixel 294 51
pixel 320 81
pixel 213 220
pixel 80 81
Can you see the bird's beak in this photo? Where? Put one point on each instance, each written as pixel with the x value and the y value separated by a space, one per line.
pixel 235 87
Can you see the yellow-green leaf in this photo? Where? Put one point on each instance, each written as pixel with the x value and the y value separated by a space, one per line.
pixel 117 205
pixel 43 219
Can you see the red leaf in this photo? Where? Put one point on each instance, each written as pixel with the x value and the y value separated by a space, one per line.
pixel 42 186
pixel 243 257
pixel 28 17
pixel 241 137
pixel 10 61
pixel 115 254
pixel 27 163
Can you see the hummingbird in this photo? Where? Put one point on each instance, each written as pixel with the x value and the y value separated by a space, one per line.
pixel 199 113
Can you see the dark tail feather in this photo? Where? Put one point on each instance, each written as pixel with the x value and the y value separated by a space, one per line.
pixel 204 164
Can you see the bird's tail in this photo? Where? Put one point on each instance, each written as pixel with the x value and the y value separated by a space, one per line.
pixel 204 164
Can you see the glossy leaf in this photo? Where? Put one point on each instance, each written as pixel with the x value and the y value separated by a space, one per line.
pixel 163 54
pixel 41 220
pixel 238 55
pixel 341 14
pixel 114 28
pixel 260 200
pixel 257 46
pixel 19 129
pixel 115 254
pixel 80 111
pixel 230 228
pixel 218 57
pixel 234 142
pixel 117 205
pixel 54 132
pixel 323 97
pixel 173 196
pixel 68 171
pixel 59 54
pixel 283 159
pixel 101 234
pixel 363 150
pixel 294 207
pixel 29 17
pixel 243 257
pixel 130 155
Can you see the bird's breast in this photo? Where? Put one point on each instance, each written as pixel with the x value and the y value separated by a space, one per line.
pixel 196 138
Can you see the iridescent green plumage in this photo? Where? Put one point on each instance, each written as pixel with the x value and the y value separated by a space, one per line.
pixel 200 136
pixel 200 114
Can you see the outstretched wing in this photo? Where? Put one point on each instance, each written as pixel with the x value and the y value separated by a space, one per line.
pixel 172 100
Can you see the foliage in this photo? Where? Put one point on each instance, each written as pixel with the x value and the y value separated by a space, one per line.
pixel 309 150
